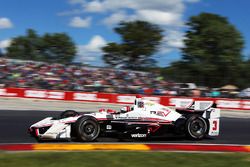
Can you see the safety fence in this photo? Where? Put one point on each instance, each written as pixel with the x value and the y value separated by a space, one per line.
pixel 223 103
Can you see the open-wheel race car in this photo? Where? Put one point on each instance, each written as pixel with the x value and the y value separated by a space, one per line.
pixel 143 119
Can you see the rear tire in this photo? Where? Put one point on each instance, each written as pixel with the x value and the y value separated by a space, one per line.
pixel 196 127
pixel 87 129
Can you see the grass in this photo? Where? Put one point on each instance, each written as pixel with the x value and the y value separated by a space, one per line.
pixel 123 159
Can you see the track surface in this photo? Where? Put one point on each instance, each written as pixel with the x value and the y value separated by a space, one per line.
pixel 14 125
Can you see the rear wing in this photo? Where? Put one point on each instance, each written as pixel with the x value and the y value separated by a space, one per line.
pixel 189 104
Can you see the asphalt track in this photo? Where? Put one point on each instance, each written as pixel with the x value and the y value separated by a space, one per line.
pixel 14 125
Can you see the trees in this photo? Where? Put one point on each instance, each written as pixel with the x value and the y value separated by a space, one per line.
pixel 140 41
pixel 57 47
pixel 25 47
pixel 212 52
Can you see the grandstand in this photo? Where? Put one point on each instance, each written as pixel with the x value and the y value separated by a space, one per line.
pixel 41 75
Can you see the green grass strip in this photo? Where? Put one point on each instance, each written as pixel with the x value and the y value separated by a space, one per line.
pixel 123 159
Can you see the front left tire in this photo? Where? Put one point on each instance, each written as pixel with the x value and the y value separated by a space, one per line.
pixel 87 129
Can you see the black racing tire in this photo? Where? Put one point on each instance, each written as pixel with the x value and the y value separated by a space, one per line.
pixel 196 127
pixel 87 129
pixel 68 113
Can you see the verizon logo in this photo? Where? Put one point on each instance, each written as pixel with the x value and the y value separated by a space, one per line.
pixel 138 135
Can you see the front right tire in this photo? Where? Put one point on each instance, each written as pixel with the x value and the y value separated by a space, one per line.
pixel 87 129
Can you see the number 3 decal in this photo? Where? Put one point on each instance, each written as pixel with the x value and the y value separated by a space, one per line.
pixel 215 125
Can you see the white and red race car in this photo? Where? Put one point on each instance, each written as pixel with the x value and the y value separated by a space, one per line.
pixel 143 119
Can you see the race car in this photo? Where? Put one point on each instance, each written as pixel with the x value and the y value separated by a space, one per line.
pixel 143 119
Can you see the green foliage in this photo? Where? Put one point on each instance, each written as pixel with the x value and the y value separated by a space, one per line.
pixel 212 53
pixel 140 40
pixel 57 47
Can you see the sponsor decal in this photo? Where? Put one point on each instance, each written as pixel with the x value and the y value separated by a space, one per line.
pixel 246 104
pixel 125 117
pixel 163 113
pixel 35 93
pixel 85 96
pixel 44 94
pixel 154 99
pixel 3 92
pixel 228 104
pixel 153 112
pixel 109 127
pixel 88 97
pixel 138 135
pixel 126 99
pixel 56 95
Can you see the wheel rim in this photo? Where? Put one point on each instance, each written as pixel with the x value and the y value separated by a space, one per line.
pixel 89 129
pixel 197 128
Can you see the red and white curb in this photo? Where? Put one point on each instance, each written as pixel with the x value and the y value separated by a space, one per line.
pixel 131 147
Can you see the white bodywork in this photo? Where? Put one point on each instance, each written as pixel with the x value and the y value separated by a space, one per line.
pixel 142 110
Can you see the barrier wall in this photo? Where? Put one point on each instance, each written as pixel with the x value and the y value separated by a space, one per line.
pixel 115 98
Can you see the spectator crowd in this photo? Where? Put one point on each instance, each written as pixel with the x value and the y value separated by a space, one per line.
pixel 72 77
pixel 29 74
